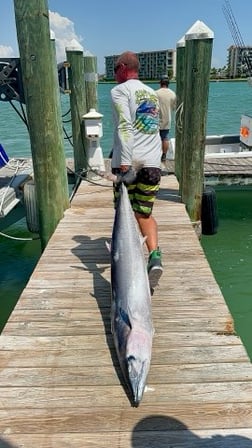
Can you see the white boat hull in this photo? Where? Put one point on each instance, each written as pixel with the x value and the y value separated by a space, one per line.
pixel 218 146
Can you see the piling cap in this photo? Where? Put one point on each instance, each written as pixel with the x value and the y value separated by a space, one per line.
pixel 199 30
pixel 181 42
pixel 74 46
pixel 92 114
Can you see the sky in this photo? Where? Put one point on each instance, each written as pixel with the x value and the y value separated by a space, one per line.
pixel 104 28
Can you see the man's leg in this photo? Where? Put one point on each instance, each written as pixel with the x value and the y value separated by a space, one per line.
pixel 164 134
pixel 165 147
pixel 148 227
pixel 144 196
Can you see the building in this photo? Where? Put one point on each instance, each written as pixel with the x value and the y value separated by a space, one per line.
pixel 153 64
pixel 239 61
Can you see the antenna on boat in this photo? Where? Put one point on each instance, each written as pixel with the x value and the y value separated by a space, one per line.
pixel 236 34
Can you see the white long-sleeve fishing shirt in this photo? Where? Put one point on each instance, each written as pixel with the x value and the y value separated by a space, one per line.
pixel 136 125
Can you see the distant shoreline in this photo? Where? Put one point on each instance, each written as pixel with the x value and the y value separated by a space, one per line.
pixel 173 81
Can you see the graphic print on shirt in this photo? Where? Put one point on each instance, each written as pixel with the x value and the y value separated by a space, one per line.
pixel 147 113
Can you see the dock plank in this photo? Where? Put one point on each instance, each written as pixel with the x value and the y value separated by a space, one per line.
pixel 224 170
pixel 60 381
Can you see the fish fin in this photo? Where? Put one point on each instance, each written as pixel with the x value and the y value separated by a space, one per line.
pixel 125 317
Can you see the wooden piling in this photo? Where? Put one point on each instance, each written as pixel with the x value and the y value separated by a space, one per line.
pixel 77 104
pixel 180 76
pixel 91 79
pixel 199 40
pixel 43 113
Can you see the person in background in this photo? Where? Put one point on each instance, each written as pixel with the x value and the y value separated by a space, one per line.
pixel 137 141
pixel 167 104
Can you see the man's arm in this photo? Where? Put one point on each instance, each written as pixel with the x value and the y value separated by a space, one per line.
pixel 124 127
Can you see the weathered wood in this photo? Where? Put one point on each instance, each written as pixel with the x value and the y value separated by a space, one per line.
pixel 169 339
pixel 43 112
pixel 92 326
pixel 78 105
pixel 161 356
pixel 163 420
pixel 198 50
pixel 91 81
pixel 159 374
pixel 180 94
pixel 59 375
pixel 63 396
pixel 139 437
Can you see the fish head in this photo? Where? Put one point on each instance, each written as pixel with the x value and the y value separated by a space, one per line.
pixel 138 357
pixel 137 373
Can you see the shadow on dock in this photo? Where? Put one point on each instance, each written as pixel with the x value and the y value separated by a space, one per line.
pixel 169 194
pixel 4 444
pixel 167 432
pixel 101 288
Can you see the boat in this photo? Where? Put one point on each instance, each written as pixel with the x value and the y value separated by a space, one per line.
pixel 225 145
pixel 14 173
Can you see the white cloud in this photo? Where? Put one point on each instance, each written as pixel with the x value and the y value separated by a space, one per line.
pixel 6 52
pixel 65 35
pixel 62 29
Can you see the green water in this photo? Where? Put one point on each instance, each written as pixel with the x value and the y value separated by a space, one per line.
pixel 18 259
pixel 229 253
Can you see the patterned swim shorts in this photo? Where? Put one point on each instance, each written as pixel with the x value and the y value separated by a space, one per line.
pixel 143 192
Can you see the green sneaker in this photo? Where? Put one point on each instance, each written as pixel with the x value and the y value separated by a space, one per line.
pixel 154 267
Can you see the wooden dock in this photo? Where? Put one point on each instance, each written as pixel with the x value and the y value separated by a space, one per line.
pixel 235 170
pixel 60 382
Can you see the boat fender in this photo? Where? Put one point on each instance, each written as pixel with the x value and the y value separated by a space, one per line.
pixel 209 212
pixel 30 204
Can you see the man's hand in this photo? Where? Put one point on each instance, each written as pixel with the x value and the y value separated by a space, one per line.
pixel 125 168
pixel 127 175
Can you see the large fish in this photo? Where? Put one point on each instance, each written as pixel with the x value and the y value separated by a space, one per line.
pixel 131 317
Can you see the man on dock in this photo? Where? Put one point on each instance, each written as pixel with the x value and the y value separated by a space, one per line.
pixel 137 140
pixel 167 104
